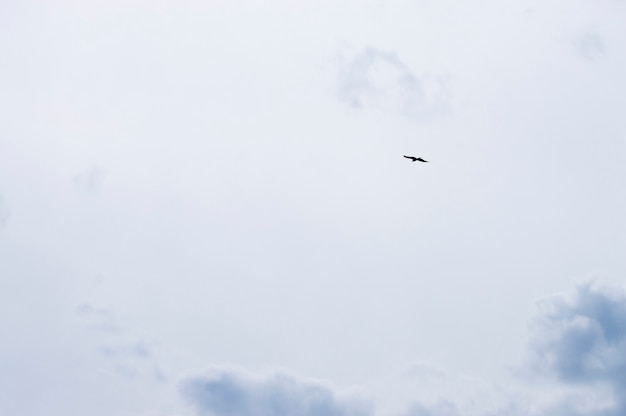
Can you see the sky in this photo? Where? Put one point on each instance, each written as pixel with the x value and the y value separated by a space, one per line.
pixel 205 209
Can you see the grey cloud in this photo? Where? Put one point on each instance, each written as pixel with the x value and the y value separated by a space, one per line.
pixel 380 80
pixel 227 392
pixel 582 341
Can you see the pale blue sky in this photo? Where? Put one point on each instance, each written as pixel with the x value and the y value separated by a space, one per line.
pixel 204 207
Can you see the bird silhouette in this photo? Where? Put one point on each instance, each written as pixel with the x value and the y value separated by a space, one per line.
pixel 415 159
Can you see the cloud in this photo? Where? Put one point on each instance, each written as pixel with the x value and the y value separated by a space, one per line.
pixel 128 356
pixel 98 319
pixel 449 408
pixel 577 344
pixel 581 341
pixel 380 80
pixel 589 45
pixel 228 392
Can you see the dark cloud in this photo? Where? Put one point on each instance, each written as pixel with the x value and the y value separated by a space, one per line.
pixel 380 80
pixel 582 341
pixel 231 393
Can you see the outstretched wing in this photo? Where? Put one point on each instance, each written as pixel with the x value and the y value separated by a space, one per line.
pixel 410 157
pixel 421 160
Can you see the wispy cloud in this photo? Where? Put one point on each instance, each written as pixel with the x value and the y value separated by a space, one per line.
pixel 129 356
pixel 589 45
pixel 98 319
pixel 136 350
pixel 380 80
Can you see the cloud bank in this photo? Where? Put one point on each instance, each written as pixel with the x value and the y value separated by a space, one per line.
pixel 579 342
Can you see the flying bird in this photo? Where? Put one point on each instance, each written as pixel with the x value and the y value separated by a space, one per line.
pixel 415 159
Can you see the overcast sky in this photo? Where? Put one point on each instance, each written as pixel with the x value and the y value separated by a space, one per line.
pixel 205 211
